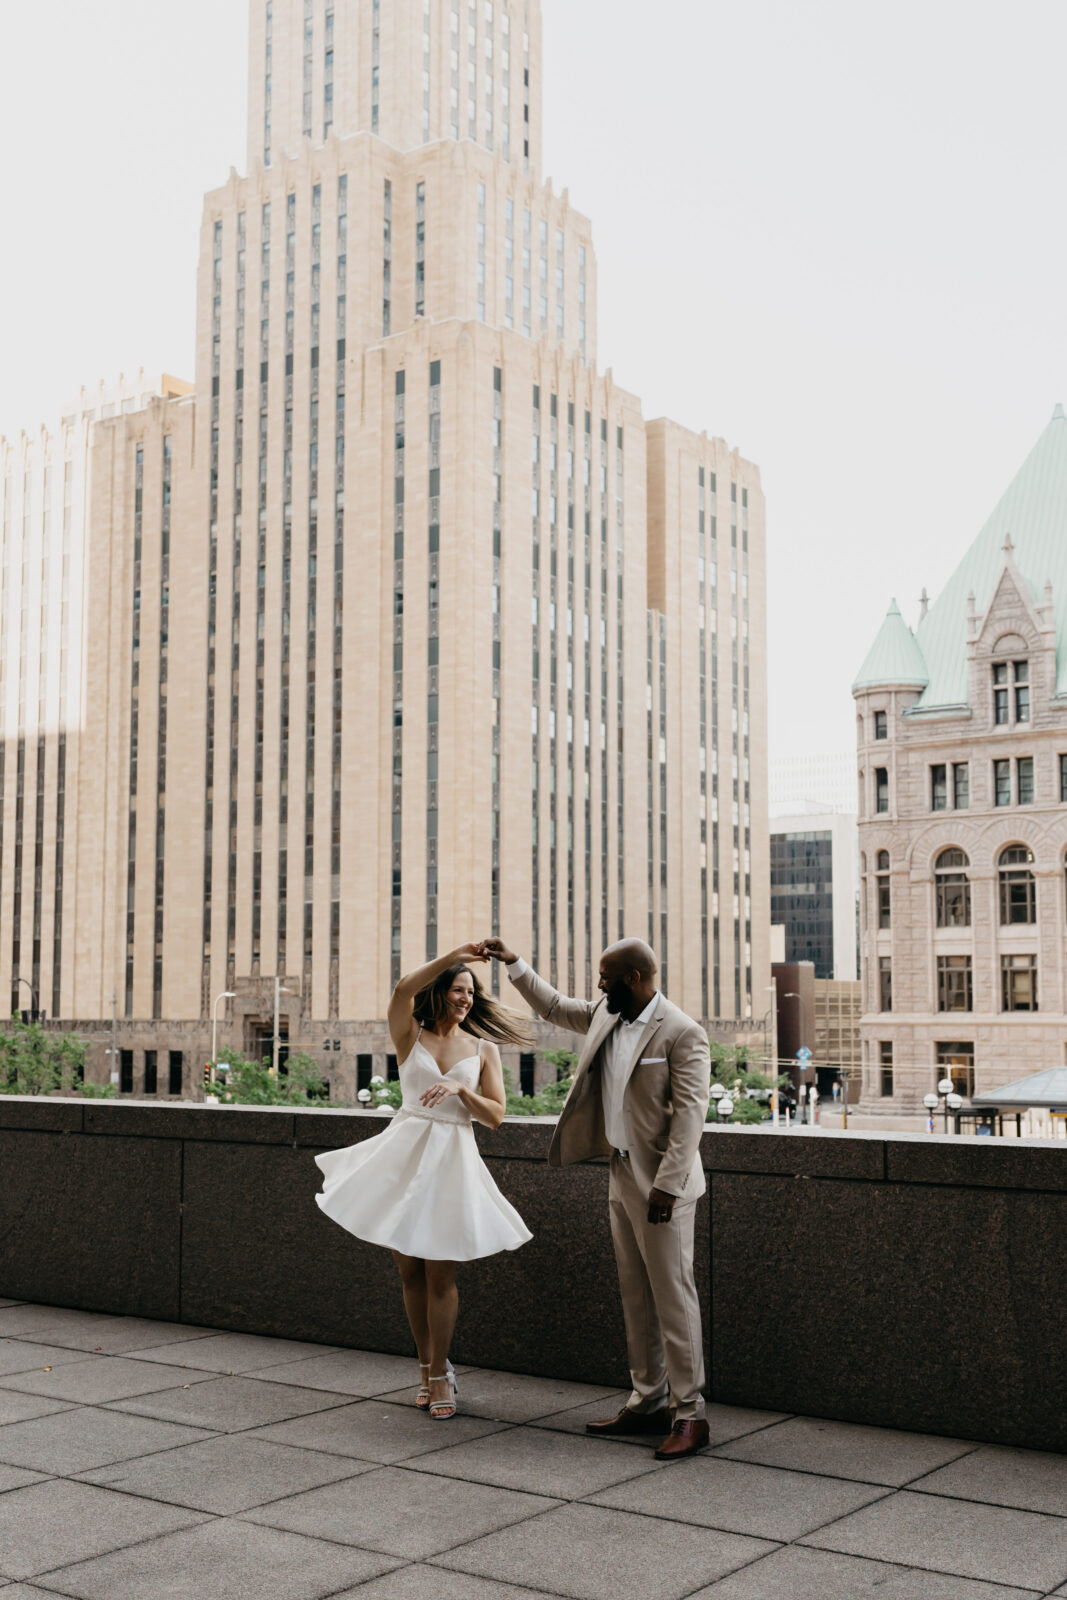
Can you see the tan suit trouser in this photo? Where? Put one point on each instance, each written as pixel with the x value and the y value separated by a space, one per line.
pixel 659 1299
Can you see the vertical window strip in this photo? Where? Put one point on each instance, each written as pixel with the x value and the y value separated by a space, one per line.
pixel 581 301
pixel 387 258
pixel 135 693
pixel 212 613
pixel 489 74
pixel 587 680
pixel 16 918
pixel 375 64
pixel 651 788
pixel 571 940
pixel 454 66
pixel 527 285
pixel 268 49
pixel 472 69
pixel 505 83
pixel 309 40
pixel 560 288
pixel 433 661
pixel 481 253
pixel 735 748
pixel 161 727
pixel 495 717
pixel 327 72
pixel 553 693
pixel 397 791
pixel 535 755
pixel 509 263
pixel 619 790
pixel 526 98
pixel 38 877
pixel 746 756
pixel 702 669
pixel 425 71
pixel 311 653
pixel 713 565
pixel 542 270
pixel 605 760
pixel 664 902
pixel 420 249
pixel 338 594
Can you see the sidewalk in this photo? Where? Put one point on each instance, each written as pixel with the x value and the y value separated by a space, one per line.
pixel 155 1461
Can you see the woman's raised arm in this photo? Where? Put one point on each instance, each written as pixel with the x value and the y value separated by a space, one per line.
pixel 401 1014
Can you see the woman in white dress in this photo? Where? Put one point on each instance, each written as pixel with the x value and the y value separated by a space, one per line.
pixel 421 1188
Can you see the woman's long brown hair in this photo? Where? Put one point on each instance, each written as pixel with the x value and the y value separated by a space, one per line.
pixel 486 1019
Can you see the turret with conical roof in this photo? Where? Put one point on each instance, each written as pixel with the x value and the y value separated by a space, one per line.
pixel 894 659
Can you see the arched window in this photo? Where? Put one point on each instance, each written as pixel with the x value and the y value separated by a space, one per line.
pixel 953 889
pixel 1018 894
pixel 881 879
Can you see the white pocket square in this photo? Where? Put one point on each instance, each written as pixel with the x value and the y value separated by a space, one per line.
pixel 650 1061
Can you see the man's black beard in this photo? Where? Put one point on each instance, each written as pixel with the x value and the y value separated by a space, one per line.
pixel 618 998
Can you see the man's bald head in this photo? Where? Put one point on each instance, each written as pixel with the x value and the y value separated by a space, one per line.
pixel 628 971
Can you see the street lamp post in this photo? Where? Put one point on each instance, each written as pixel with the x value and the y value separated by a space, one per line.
pixel 33 997
pixel 227 994
pixel 279 989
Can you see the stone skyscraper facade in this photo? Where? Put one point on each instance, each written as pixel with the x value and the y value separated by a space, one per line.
pixel 405 627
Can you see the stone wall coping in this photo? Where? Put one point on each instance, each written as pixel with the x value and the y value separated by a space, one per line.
pixel 861 1155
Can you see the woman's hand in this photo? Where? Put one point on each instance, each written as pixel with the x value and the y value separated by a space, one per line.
pixel 470 952
pixel 439 1091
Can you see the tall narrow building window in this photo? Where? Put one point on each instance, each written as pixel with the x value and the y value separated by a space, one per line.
pixel 961 785
pixel 433 658
pixel 885 983
pixel 1002 783
pixel 1018 983
pixel 581 301
pixel 161 735
pixel 387 259
pixel 1018 891
pixel 472 69
pixel 453 48
pixel 327 75
pixel 267 54
pixel 954 989
pixel 619 634
pixel 881 789
pixel 57 909
pixel 481 253
pixel 397 791
pixel 505 83
pixel 939 787
pixel 885 1068
pixel 488 74
pixel 542 274
pixel 375 64
pixel 509 262
pixel 952 889
pixel 338 594
pixel 420 249
pixel 309 34
pixel 495 716
pixel 311 658
pixel 135 696
pixel 560 286
pixel 527 269
pixel 535 678
pixel 425 71
pixel 1024 780
pixel 883 889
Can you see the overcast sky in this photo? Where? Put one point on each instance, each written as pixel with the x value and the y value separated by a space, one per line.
pixel 831 231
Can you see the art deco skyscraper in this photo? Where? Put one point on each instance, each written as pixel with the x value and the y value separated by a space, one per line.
pixel 407 628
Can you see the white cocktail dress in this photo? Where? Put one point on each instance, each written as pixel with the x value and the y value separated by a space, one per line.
pixel 421 1187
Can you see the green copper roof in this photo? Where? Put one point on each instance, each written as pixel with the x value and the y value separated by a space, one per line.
pixel 894 657
pixel 1033 510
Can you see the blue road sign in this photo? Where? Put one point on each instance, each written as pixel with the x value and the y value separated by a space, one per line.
pixel 803 1054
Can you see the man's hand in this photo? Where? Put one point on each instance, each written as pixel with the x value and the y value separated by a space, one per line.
pixel 660 1205
pixel 499 951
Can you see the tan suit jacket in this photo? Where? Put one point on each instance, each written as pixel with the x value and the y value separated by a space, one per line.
pixel 665 1103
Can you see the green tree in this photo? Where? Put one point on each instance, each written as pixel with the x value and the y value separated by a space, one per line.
pixel 251 1083
pixel 35 1060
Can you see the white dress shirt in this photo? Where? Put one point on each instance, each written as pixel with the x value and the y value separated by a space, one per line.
pixel 618 1047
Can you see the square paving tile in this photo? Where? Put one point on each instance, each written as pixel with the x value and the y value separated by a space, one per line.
pixel 763 1501
pixel 221 1560
pixel 799 1574
pixel 16 1478
pixel 18 1407
pixel 228 1405
pixel 95 1331
pixel 25 1318
pixel 554 1464
pixel 101 1378
pixel 724 1422
pixel 358 1372
pixel 1020 1548
pixel 401 1513
pixel 846 1450
pixel 1032 1480
pixel 21 1355
pixel 373 1431
pixel 591 1553
pixel 234 1352
pixel 433 1583
pixel 50 1524
pixel 86 1436
pixel 514 1397
pixel 227 1474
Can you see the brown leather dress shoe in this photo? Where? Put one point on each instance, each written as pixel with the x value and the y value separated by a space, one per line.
pixel 688 1435
pixel 629 1421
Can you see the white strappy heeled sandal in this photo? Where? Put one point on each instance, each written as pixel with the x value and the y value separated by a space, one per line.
pixel 422 1398
pixel 441 1410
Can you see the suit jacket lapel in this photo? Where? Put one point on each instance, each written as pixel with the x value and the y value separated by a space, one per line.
pixel 603 1025
pixel 646 1033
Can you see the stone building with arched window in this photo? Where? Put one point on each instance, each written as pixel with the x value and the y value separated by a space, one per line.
pixel 961 736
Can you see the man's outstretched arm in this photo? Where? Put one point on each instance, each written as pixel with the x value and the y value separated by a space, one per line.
pixel 575 1015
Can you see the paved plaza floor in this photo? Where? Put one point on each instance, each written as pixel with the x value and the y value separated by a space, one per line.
pixel 148 1460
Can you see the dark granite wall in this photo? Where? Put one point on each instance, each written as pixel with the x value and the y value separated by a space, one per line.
pixel 907 1281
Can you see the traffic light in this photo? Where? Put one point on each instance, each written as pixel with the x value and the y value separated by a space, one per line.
pixel 207 1073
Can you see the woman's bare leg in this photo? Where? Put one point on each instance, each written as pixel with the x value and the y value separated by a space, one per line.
pixel 442 1307
pixel 412 1270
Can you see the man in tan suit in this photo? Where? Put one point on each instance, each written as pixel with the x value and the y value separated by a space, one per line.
pixel 640 1095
